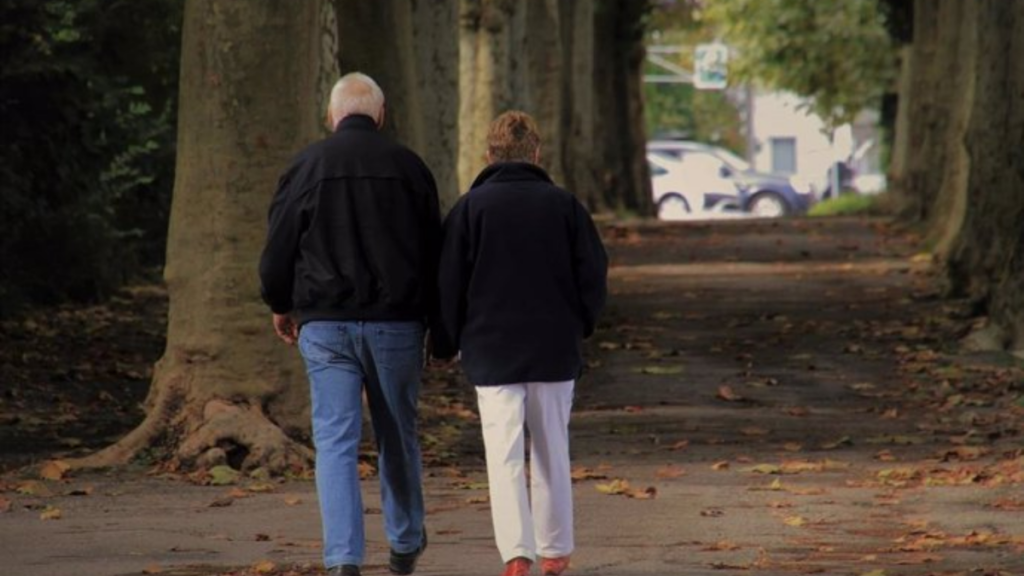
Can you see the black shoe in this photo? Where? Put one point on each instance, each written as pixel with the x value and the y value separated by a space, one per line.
pixel 405 562
pixel 344 570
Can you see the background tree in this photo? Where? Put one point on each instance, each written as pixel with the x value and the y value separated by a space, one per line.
pixel 418 73
pixel 87 102
pixel 837 53
pixel 678 109
pixel 225 390
pixel 963 176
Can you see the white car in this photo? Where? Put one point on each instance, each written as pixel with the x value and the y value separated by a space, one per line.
pixel 690 187
pixel 706 179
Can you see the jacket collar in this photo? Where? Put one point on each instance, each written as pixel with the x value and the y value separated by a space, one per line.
pixel 356 122
pixel 511 172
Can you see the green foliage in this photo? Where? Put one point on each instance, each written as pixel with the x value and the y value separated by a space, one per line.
pixel 838 53
pixel 850 205
pixel 87 92
pixel 680 109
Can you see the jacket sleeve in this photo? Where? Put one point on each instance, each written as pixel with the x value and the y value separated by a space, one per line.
pixel 590 267
pixel 277 263
pixel 452 282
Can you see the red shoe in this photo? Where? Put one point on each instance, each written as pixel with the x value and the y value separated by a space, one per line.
pixel 517 567
pixel 554 566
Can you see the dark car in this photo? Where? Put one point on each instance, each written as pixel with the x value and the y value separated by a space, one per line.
pixel 758 193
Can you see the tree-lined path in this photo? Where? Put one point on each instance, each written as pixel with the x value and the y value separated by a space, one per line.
pixel 764 397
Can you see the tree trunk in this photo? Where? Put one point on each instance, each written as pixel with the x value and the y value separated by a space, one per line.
pixel 226 390
pixel 487 43
pixel 619 123
pixel 418 73
pixel 986 258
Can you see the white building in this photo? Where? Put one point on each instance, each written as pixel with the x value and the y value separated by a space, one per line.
pixel 790 140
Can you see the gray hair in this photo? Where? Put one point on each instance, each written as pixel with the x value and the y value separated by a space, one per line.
pixel 356 93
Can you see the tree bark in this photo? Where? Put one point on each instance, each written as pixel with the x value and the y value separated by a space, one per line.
pixel 986 258
pixel 226 390
pixel 418 73
pixel 619 122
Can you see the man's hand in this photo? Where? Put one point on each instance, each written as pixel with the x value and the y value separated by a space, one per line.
pixel 286 328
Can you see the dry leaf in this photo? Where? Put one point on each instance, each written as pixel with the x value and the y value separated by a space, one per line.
pixel 54 470
pixel 152 569
pixel 795 521
pixel 477 500
pixel 792 447
pixel 679 445
pixel 754 431
pixel 670 471
pixel 580 474
pixel 366 470
pixel 34 488
pixel 264 567
pixel 292 500
pixel 645 494
pixel 5 505
pixel 617 486
pixel 720 465
pixel 51 513
pixel 722 546
pixel 726 393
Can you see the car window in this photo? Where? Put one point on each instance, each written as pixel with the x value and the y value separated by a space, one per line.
pixel 656 170
pixel 703 163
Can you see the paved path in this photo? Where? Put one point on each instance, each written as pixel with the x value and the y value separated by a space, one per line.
pixel 771 397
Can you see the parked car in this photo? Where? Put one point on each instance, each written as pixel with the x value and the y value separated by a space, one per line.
pixel 715 174
pixel 683 190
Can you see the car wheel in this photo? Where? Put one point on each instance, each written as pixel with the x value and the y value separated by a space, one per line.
pixel 673 207
pixel 768 205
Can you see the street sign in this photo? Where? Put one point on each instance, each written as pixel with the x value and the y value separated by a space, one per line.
pixel 710 62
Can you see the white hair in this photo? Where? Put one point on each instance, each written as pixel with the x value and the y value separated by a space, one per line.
pixel 356 93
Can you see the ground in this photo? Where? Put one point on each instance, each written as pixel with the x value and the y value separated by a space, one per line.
pixel 762 397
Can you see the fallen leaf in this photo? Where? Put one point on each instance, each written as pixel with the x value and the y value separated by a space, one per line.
pixel 292 500
pixel 644 494
pixel 366 470
pixel 662 370
pixel 152 569
pixel 54 470
pixel 712 513
pixel 755 431
pixel 792 447
pixel 260 487
pixel 798 411
pixel 679 445
pixel 844 441
pixel 670 471
pixel 223 475
pixel 5 505
pixel 765 469
pixel 34 488
pixel 264 567
pixel 796 521
pixel 725 392
pixel 477 500
pixel 634 409
pixel 51 513
pixel 617 486
pixel 722 546
pixel 720 465
pixel 876 572
pixel 580 474
pixel 223 502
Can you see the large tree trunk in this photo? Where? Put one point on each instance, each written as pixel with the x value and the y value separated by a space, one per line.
pixel 963 175
pixel 418 72
pixel 253 84
pixel 619 130
pixel 986 256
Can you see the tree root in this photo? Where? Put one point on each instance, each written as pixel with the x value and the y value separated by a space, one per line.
pixel 222 432
pixel 243 435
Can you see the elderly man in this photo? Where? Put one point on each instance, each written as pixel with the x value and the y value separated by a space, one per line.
pixel 349 271
pixel 522 280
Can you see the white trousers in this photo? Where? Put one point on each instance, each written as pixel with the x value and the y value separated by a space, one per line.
pixel 538 521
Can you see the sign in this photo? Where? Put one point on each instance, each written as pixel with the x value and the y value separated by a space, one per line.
pixel 710 62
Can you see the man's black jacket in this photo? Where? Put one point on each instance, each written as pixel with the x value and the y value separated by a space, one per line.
pixel 354 231
pixel 522 279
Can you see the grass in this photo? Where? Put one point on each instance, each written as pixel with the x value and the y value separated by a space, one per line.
pixel 851 204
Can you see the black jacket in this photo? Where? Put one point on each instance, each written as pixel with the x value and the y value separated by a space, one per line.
pixel 354 231
pixel 521 281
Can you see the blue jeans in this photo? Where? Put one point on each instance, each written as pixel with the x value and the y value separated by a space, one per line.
pixel 387 358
